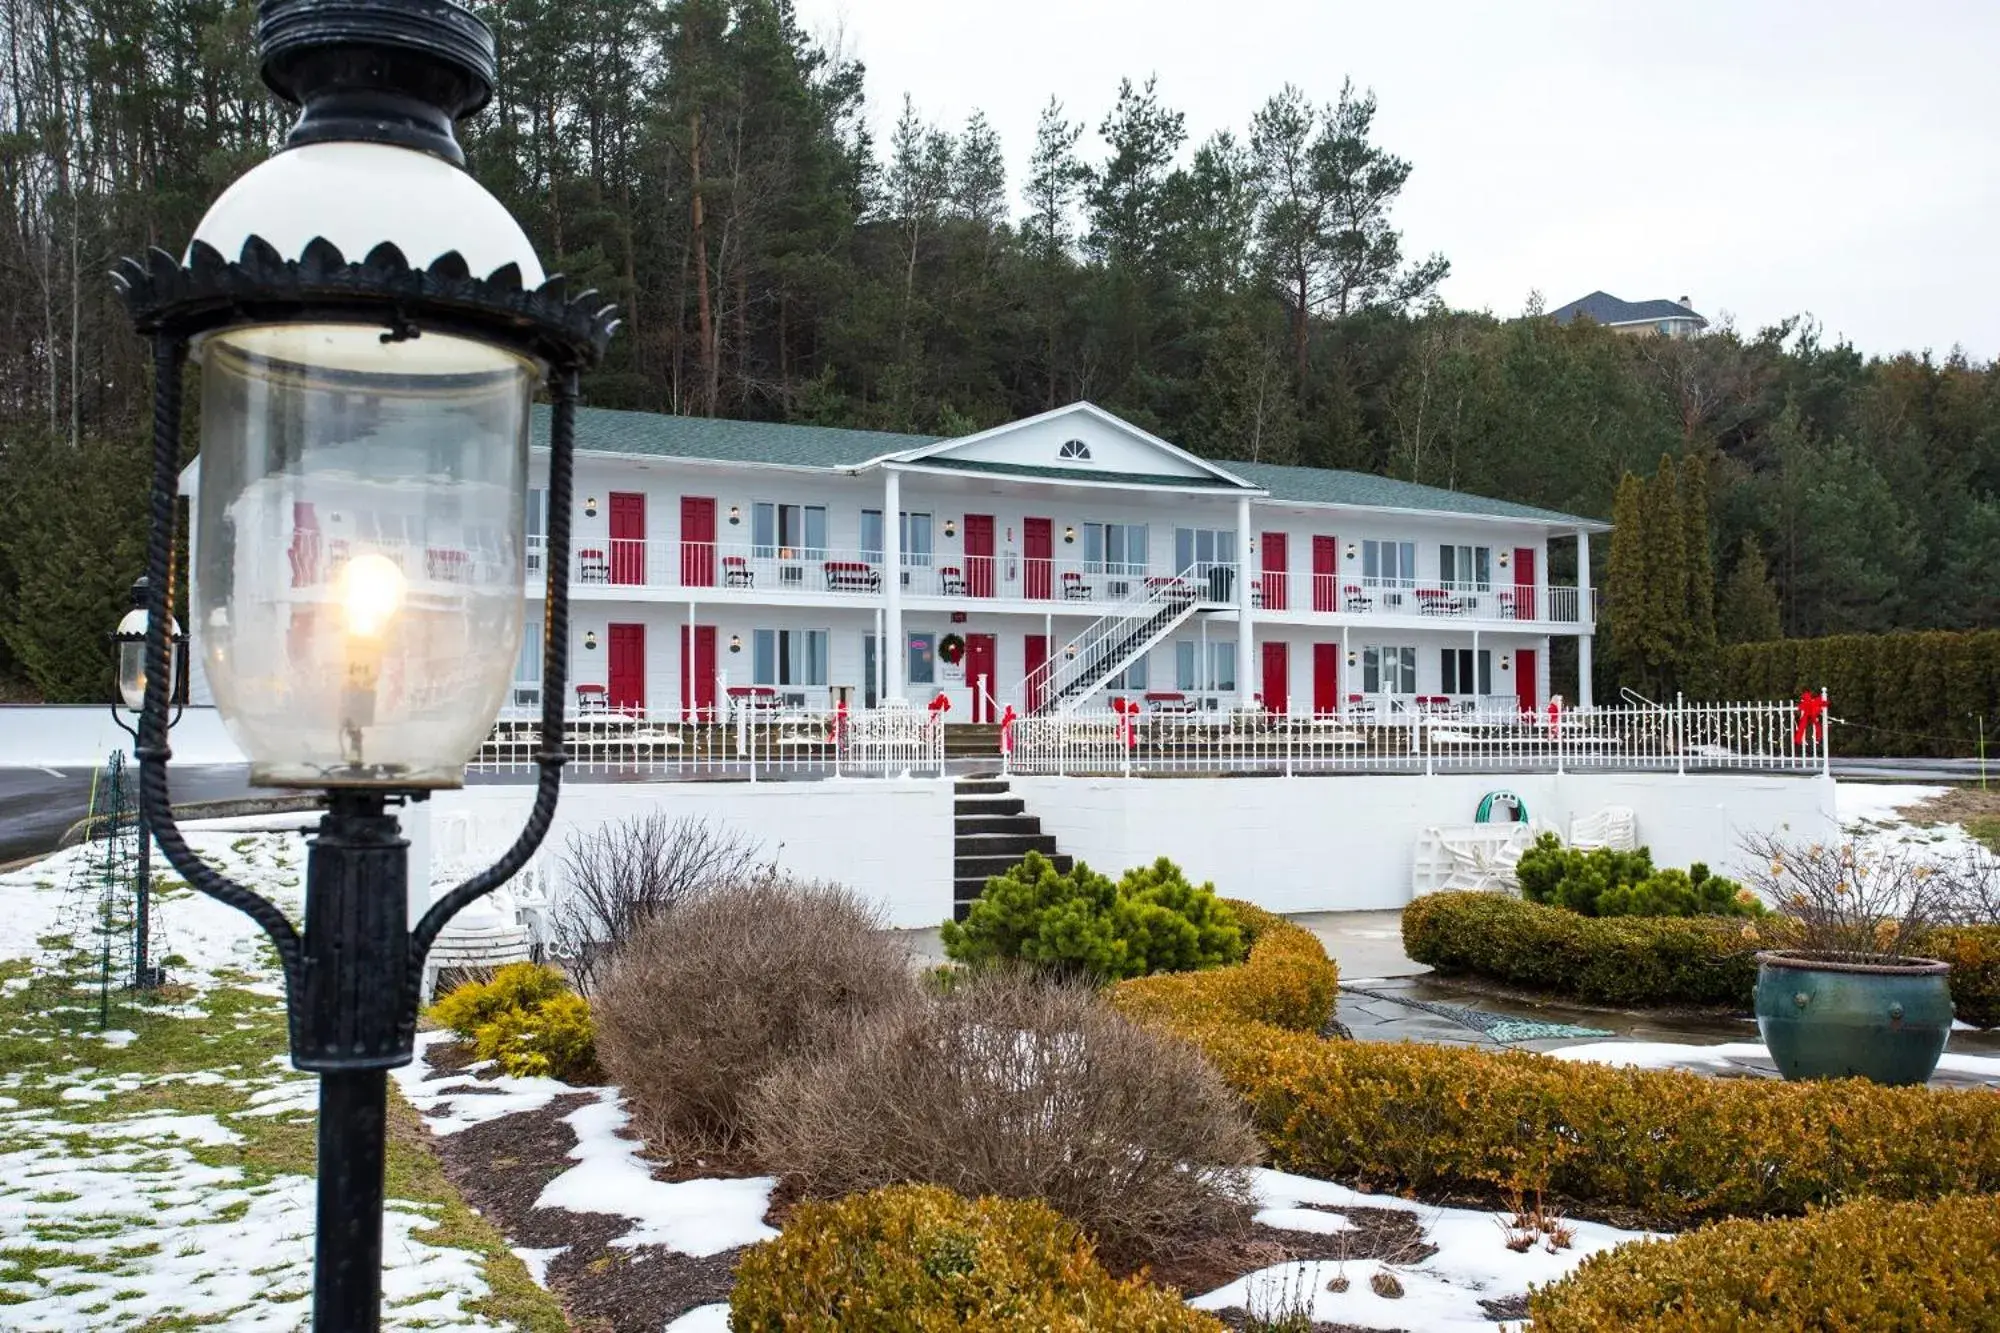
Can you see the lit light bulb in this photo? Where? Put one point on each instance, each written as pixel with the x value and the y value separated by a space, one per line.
pixel 370 588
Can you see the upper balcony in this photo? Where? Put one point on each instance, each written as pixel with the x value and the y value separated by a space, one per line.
pixel 813 575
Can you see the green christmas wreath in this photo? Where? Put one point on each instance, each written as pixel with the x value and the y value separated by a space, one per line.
pixel 952 649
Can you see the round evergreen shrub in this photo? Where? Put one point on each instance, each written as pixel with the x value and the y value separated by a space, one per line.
pixel 526 1020
pixel 919 1259
pixel 1081 924
pixel 1605 882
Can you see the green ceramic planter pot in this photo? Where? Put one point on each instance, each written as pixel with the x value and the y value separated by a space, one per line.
pixel 1885 1019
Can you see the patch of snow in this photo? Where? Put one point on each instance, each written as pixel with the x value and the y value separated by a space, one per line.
pixel 701 1319
pixel 454 1102
pixel 694 1217
pixel 205 1130
pixel 1303 1219
pixel 1441 1293
pixel 1879 802
pixel 117 1038
pixel 1687 1055
pixel 537 1262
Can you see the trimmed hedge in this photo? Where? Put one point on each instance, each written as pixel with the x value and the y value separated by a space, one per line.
pixel 527 1020
pixel 1648 960
pixel 1861 1265
pixel 1903 694
pixel 919 1259
pixel 1674 1146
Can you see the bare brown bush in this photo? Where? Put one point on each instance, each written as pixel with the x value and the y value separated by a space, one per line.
pixel 1024 1088
pixel 621 875
pixel 703 1002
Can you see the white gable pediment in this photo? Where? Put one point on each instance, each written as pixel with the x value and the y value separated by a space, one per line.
pixel 1081 437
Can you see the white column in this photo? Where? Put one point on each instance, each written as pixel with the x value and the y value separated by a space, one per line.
pixel 1586 621
pixel 1246 627
pixel 894 653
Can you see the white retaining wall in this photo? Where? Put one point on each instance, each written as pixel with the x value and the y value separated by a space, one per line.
pixel 1345 843
pixel 84 735
pixel 890 840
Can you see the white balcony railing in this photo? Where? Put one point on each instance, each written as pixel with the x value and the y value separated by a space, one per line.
pixel 1752 737
pixel 753 743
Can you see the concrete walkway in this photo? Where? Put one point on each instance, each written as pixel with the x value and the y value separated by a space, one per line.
pixel 1367 945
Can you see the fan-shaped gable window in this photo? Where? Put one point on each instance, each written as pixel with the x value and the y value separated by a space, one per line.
pixel 1073 451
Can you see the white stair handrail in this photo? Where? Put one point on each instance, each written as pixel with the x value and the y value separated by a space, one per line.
pixel 1085 654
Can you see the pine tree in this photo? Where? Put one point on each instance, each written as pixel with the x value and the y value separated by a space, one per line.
pixel 1667 575
pixel 1747 608
pixel 1627 595
pixel 1698 655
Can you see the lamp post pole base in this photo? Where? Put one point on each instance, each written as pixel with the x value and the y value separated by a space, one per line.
pixel 353 1146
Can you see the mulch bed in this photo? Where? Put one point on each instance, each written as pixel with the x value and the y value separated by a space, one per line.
pixel 501 1168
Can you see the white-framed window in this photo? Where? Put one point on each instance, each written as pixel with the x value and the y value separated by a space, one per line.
pixel 528 666
pixel 1466 568
pixel 1217 673
pixel 1074 451
pixel 1203 546
pixel 915 533
pixel 1132 677
pixel 788 531
pixel 1115 548
pixel 1388 669
pixel 1460 672
pixel 1388 564
pixel 922 666
pixel 790 656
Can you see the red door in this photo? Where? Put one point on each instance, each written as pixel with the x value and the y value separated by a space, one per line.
pixel 982 663
pixel 698 671
pixel 1326 679
pixel 1524 680
pixel 1524 584
pixel 1038 549
pixel 1277 685
pixel 979 554
pixel 625 681
pixel 697 541
pixel 628 537
pixel 1326 574
pixel 1273 546
pixel 1036 655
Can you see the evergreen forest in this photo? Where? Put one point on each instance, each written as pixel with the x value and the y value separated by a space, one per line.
pixel 708 165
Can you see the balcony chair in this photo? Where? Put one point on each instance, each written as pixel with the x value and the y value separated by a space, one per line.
pixel 592 699
pixel 852 576
pixel 951 581
pixel 1074 588
pixel 1358 598
pixel 592 567
pixel 736 572
pixel 1438 602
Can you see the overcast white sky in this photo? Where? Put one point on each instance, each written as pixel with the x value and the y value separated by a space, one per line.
pixel 1763 159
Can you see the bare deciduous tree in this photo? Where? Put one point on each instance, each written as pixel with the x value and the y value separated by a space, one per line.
pixel 622 875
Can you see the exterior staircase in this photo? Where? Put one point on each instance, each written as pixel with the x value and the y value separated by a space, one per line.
pixel 994 831
pixel 972 740
pixel 1113 642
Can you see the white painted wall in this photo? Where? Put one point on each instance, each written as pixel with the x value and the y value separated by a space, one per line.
pixel 1343 843
pixel 890 841
pixel 83 736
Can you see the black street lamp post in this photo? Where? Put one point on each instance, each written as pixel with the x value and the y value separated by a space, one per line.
pixel 128 644
pixel 358 543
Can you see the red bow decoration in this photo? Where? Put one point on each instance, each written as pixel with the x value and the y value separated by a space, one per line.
pixel 941 704
pixel 1126 711
pixel 1007 731
pixel 1555 719
pixel 837 731
pixel 1812 717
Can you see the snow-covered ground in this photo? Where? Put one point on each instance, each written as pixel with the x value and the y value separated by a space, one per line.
pixel 1441 1294
pixel 130 1196
pixel 1873 815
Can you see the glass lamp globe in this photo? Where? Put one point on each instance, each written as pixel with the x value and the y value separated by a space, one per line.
pixel 360 524
pixel 130 636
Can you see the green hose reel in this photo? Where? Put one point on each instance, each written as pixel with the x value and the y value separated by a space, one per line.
pixel 1485 815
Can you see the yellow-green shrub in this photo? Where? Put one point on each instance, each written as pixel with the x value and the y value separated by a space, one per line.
pixel 1867 1265
pixel 1676 1146
pixel 1287 981
pixel 919 1259
pixel 527 1020
pixel 1649 960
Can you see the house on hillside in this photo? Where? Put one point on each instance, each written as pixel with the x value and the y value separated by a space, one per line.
pixel 1648 319
pixel 1050 564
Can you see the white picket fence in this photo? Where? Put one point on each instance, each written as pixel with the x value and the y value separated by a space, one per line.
pixel 1674 738
pixel 748 744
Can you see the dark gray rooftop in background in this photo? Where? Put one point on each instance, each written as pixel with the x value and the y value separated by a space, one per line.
pixel 709 439
pixel 1605 308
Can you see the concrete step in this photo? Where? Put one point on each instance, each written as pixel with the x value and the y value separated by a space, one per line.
pixel 968 865
pixel 981 786
pixel 989 805
pixel 997 823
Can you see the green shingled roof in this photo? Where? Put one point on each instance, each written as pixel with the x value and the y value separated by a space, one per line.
pixel 602 430
pixel 1317 485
